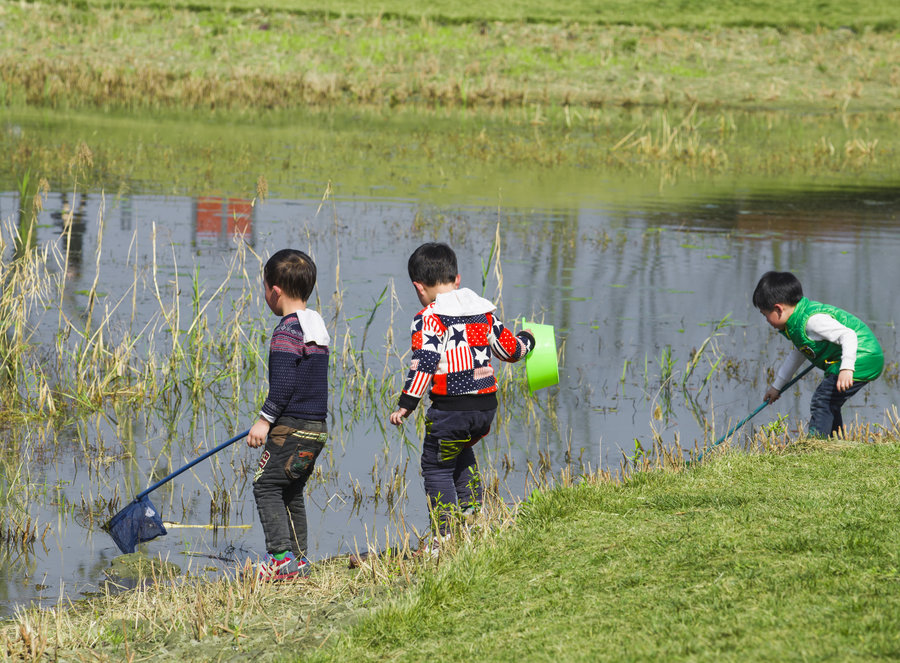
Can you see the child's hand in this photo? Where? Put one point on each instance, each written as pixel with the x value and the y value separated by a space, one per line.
pixel 845 379
pixel 772 395
pixel 258 433
pixel 533 340
pixel 398 416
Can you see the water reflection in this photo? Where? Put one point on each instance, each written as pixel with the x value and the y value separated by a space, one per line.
pixel 829 213
pixel 633 292
pixel 219 221
pixel 70 220
pixel 214 221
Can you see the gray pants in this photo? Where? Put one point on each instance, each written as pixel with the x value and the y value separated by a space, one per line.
pixel 284 468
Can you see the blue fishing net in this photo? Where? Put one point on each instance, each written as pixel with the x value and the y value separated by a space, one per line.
pixel 136 523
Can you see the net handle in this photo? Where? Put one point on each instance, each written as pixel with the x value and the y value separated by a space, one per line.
pixel 191 464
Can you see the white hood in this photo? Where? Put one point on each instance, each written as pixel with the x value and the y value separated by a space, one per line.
pixel 461 301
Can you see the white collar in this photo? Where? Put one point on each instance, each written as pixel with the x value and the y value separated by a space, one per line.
pixel 313 326
pixel 461 301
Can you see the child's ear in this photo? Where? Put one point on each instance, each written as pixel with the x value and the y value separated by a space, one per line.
pixel 420 288
pixel 456 282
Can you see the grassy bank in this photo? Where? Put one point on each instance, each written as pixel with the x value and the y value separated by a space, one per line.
pixel 786 555
pixel 783 556
pixel 152 56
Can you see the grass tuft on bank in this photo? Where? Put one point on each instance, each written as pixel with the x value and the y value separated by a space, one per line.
pixel 783 556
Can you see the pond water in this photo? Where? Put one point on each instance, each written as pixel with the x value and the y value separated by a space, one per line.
pixel 633 291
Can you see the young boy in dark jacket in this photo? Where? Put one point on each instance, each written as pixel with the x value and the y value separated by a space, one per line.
pixel 291 424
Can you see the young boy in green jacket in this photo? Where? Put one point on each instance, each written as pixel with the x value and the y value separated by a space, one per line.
pixel 839 343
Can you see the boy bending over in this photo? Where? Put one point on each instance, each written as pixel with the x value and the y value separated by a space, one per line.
pixel 832 339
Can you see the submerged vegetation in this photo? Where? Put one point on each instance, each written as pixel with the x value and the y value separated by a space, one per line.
pixel 445 156
pixel 99 355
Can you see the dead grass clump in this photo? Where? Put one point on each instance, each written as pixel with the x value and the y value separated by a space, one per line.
pixel 186 614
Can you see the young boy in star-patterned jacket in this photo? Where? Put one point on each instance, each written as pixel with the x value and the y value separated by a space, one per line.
pixel 453 338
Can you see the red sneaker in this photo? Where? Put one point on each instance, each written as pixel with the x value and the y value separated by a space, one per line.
pixel 289 568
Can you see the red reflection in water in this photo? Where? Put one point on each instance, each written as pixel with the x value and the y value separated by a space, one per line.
pixel 216 217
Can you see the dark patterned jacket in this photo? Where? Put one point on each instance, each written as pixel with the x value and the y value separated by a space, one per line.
pixel 298 374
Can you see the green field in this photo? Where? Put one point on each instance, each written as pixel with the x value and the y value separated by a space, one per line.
pixel 690 94
pixel 446 156
pixel 807 14
pixel 134 58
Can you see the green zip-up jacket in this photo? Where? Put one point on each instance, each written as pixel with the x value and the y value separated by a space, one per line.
pixel 827 355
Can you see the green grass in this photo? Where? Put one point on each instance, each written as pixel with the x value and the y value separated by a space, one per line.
pixel 656 13
pixel 788 555
pixel 749 557
pixel 139 58
pixel 453 102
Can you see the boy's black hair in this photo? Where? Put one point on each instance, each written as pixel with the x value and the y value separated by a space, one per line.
pixel 433 263
pixel 777 288
pixel 293 271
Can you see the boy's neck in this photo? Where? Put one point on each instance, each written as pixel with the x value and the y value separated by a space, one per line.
pixel 428 293
pixel 290 305
pixel 440 289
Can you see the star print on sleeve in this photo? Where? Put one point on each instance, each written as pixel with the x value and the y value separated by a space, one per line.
pixel 427 333
pixel 452 355
pixel 505 345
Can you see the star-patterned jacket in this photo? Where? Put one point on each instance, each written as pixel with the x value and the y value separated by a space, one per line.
pixel 452 342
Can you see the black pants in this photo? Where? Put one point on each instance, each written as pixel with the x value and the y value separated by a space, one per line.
pixel 284 467
pixel 825 406
pixel 448 461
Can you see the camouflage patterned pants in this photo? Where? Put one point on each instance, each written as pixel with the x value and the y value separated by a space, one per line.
pixel 285 466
